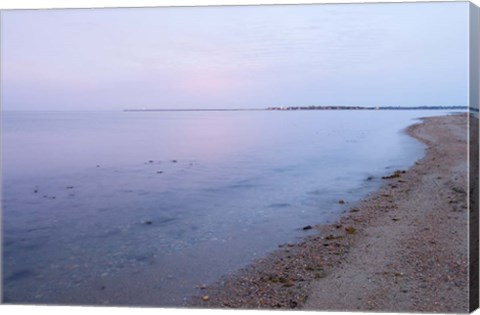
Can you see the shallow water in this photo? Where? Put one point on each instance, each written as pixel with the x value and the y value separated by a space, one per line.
pixel 139 208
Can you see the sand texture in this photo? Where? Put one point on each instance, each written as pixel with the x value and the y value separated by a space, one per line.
pixel 403 249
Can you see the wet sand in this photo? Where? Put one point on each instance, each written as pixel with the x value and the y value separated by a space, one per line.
pixel 404 248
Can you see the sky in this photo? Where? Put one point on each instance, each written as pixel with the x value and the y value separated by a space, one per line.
pixel 396 54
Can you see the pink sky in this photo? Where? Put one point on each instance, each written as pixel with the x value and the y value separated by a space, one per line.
pixel 235 57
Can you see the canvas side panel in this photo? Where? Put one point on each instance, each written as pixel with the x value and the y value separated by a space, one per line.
pixel 474 153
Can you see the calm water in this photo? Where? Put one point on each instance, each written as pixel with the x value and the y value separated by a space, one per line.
pixel 139 208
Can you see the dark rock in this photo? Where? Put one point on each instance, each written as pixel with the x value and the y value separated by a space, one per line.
pixel 174 161
pixel 318 275
pixel 341 201
pixel 308 227
pixel 333 237
pixel 350 230
pixel 148 222
pixel 396 174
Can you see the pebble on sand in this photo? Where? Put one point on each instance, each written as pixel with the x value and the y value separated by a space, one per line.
pixel 350 230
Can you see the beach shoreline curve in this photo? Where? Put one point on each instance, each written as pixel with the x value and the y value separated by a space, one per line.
pixel 402 248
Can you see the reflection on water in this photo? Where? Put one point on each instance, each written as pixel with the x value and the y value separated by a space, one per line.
pixel 139 208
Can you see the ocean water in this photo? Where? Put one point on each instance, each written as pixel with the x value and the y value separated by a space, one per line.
pixel 140 208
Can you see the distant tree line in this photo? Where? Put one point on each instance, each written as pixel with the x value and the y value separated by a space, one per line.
pixel 366 107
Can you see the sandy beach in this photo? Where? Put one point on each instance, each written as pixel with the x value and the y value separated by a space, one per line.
pixel 402 249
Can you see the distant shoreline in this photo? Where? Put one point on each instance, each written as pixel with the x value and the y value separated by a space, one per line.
pixel 370 108
pixel 291 108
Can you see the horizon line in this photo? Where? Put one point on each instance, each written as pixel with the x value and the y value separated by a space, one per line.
pixel 326 107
